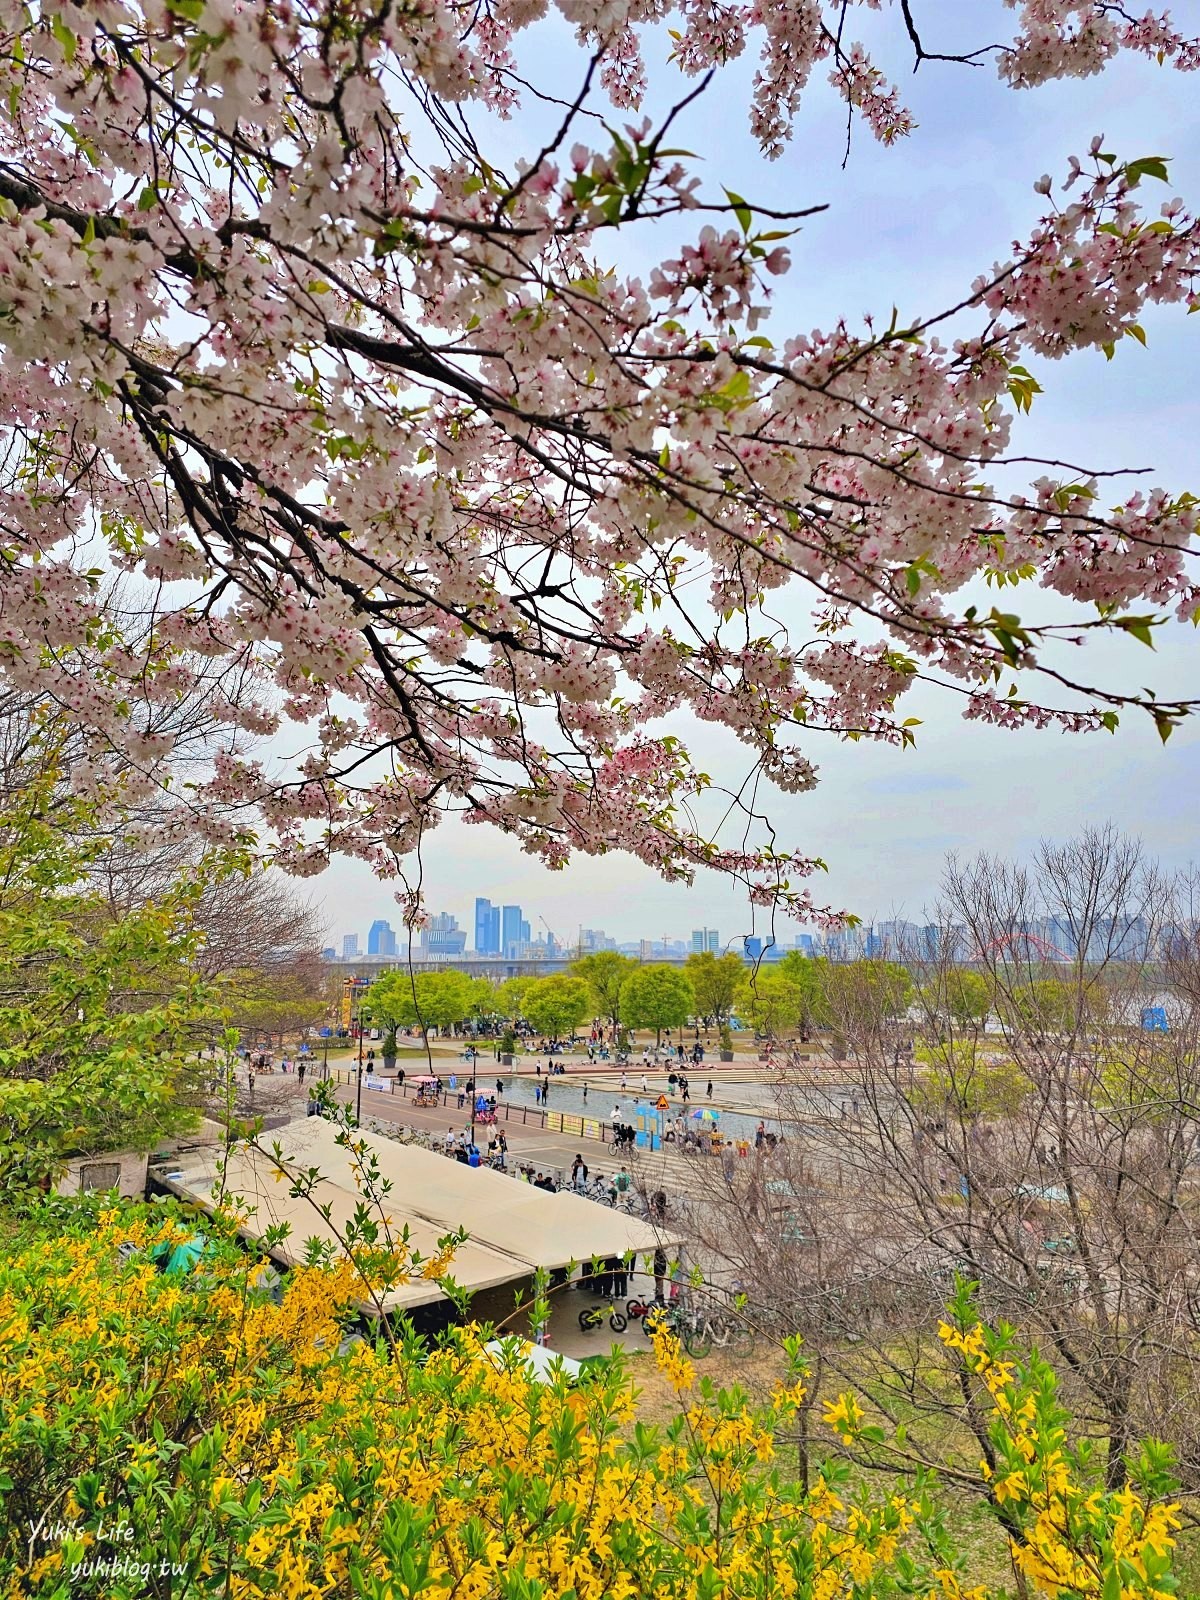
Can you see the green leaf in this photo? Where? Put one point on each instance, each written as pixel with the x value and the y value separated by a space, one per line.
pixel 1146 167
pixel 1139 627
pixel 64 36
pixel 148 198
pixel 741 210
pixel 1135 331
pixel 1072 491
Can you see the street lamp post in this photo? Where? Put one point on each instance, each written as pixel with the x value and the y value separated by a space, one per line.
pixel 358 1105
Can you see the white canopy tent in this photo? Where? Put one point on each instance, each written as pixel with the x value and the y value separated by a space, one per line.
pixel 513 1227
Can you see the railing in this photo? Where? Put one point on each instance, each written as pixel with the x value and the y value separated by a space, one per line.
pixel 577 1126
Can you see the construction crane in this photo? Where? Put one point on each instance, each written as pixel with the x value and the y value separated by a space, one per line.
pixel 550 936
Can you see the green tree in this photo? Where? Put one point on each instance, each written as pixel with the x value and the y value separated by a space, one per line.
pixel 1050 1004
pixel 423 999
pixel 556 1006
pixel 100 1019
pixel 960 994
pixel 510 997
pixel 274 1001
pixel 715 980
pixel 769 1001
pixel 657 996
pixel 867 990
pixel 390 1002
pixel 810 977
pixel 605 971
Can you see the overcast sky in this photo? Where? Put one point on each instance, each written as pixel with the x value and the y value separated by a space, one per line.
pixel 911 227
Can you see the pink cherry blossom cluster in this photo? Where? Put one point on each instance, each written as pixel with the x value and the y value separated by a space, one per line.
pixel 413 467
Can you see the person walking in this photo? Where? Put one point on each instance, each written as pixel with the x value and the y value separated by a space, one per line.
pixel 708 1091
pixel 585 1094
pixel 301 1066
pixel 615 1119
pixel 624 1081
pixel 645 1085
pixel 545 1093
pixel 503 1143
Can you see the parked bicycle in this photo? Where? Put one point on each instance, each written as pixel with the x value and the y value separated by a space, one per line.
pixel 699 1331
pixel 710 1327
pixel 592 1316
pixel 641 1309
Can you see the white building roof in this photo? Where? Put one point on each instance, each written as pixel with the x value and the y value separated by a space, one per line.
pixel 513 1227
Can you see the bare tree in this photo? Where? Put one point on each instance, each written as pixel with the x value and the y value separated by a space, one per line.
pixel 1045 1149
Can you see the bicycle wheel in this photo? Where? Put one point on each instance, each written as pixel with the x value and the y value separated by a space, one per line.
pixel 741 1339
pixel 587 1321
pixel 697 1340
pixel 617 1321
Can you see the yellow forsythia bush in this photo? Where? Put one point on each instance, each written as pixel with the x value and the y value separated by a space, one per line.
pixel 181 1436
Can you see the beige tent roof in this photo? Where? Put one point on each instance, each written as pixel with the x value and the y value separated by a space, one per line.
pixel 513 1228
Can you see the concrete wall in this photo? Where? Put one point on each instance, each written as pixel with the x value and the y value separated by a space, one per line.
pixel 124 1170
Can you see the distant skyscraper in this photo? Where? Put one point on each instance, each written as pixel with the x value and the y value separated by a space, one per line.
pixel 705 939
pixel 510 930
pixel 442 936
pixel 349 946
pixel 381 940
pixel 487 928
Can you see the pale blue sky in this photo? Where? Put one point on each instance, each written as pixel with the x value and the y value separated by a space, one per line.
pixel 910 226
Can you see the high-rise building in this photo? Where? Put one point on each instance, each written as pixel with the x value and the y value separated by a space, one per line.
pixel 349 946
pixel 705 939
pixel 381 940
pixel 442 936
pixel 595 939
pixel 487 928
pixel 510 930
pixel 756 948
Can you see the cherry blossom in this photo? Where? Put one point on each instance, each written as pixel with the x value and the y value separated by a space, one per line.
pixel 463 509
